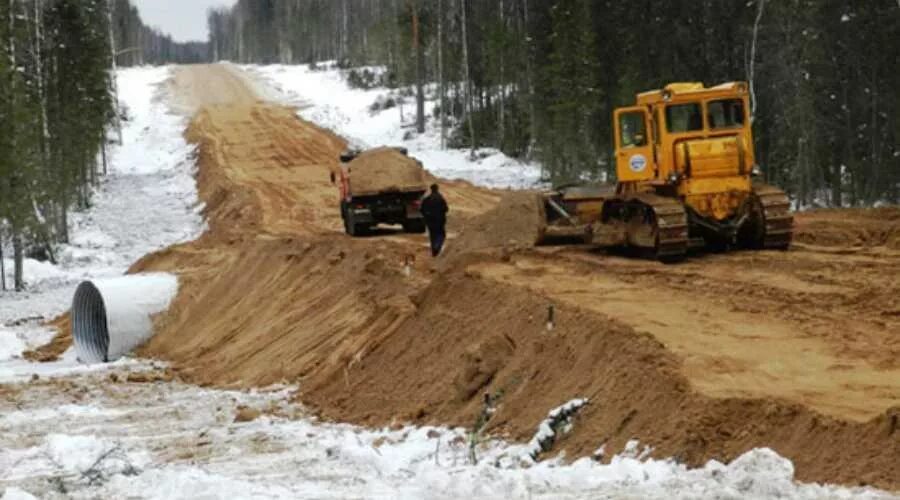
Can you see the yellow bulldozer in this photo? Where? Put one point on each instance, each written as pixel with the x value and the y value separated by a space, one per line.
pixel 685 164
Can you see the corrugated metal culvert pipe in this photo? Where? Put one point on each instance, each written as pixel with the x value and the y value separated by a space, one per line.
pixel 112 317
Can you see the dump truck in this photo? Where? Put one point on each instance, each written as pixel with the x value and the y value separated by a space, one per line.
pixel 380 186
pixel 687 178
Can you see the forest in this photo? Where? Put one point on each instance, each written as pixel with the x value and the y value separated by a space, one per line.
pixel 536 79
pixel 138 44
pixel 59 111
pixel 540 79
pixel 55 105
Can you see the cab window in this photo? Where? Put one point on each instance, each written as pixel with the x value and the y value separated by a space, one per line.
pixel 684 118
pixel 632 130
pixel 727 113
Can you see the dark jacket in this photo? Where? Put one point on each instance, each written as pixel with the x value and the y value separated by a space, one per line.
pixel 434 209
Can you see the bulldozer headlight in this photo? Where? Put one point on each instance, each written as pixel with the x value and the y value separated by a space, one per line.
pixel 673 178
pixel 756 171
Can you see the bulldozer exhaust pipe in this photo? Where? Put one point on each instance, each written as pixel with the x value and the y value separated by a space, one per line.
pixel 112 317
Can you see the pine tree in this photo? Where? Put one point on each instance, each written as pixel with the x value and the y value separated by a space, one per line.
pixel 568 96
pixel 55 100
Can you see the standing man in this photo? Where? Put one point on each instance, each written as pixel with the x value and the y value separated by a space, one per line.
pixel 434 210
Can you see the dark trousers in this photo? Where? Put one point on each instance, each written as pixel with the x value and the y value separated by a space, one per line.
pixel 438 234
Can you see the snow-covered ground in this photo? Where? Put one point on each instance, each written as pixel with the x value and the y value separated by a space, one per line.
pixel 148 202
pixel 324 98
pixel 167 440
pixel 117 431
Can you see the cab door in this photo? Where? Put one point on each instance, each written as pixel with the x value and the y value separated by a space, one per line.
pixel 634 145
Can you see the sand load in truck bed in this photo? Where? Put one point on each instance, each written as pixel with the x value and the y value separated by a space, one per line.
pixel 383 170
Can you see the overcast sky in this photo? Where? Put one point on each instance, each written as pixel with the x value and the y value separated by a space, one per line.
pixel 185 20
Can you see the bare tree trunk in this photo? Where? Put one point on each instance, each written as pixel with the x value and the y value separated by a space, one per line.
pixel 42 228
pixel 420 62
pixel 2 262
pixel 103 156
pixel 529 70
pixel 751 72
pixel 345 31
pixel 19 260
pixel 62 230
pixel 16 229
pixel 874 180
pixel 39 69
pixel 501 122
pixel 395 38
pixel 442 102
pixel 114 84
pixel 467 84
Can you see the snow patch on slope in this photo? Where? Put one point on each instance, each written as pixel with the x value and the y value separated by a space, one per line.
pixel 557 419
pixel 324 98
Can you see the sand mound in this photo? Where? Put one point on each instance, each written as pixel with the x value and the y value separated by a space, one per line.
pixel 515 223
pixel 385 169
pixel 850 227
pixel 469 337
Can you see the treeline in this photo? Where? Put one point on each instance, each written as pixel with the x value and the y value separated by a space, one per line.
pixel 55 107
pixel 137 44
pixel 59 111
pixel 540 79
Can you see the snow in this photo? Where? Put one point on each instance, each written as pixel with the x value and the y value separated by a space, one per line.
pixel 171 440
pixel 148 202
pixel 75 453
pixel 557 419
pixel 80 431
pixel 11 345
pixel 324 97
pixel 17 370
pixel 17 494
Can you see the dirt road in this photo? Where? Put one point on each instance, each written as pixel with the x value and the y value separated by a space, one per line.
pixel 798 351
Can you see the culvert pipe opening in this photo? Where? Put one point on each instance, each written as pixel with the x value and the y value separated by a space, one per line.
pixel 112 317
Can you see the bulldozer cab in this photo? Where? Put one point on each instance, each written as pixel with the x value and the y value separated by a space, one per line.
pixel 692 139
pixel 685 162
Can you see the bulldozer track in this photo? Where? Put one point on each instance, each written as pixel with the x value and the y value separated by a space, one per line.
pixel 671 226
pixel 779 222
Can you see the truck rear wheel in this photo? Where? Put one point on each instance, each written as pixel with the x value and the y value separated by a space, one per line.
pixel 352 227
pixel 415 226
pixel 358 230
